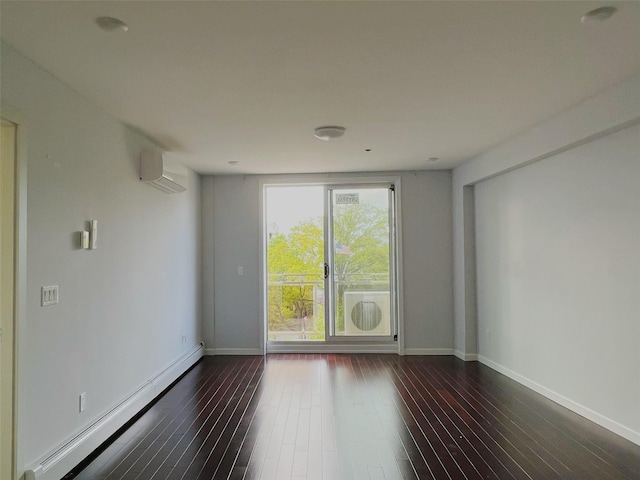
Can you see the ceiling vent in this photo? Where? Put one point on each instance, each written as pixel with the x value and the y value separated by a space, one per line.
pixel 162 172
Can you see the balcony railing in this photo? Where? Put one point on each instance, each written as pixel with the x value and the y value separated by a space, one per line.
pixel 296 302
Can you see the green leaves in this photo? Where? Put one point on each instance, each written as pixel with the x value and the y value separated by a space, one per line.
pixel 295 264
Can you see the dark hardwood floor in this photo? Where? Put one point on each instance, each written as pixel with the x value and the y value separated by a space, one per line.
pixel 358 417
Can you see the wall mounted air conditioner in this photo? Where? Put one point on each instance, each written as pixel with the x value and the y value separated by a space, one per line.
pixel 164 173
pixel 367 313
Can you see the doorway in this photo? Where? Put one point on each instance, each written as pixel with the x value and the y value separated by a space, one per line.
pixel 7 296
pixel 330 264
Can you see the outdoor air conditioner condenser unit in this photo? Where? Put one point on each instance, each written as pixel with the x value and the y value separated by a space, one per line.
pixel 162 172
pixel 367 313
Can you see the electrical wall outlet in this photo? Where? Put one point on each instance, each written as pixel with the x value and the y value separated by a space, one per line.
pixel 82 404
pixel 184 338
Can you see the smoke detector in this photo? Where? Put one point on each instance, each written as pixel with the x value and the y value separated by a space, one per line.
pixel 329 132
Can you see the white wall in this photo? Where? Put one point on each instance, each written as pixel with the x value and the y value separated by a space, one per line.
pixel 596 135
pixel 558 259
pixel 236 242
pixel 602 114
pixel 123 307
pixel 232 210
pixel 427 269
pixel 207 261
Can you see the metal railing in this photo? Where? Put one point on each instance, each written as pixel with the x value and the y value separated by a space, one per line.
pixel 302 318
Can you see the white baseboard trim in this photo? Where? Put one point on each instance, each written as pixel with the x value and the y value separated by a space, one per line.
pixel 576 407
pixel 67 455
pixel 233 351
pixel 428 351
pixel 332 348
pixel 467 357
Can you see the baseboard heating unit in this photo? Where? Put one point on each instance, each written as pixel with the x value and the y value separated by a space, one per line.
pixel 62 459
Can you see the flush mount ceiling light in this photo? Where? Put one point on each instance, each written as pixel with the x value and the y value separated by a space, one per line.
pixel 110 24
pixel 598 15
pixel 329 132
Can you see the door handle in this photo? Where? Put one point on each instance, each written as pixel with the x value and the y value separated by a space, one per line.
pixel 326 270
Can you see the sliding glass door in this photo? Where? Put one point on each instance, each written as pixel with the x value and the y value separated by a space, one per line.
pixel 360 262
pixel 330 263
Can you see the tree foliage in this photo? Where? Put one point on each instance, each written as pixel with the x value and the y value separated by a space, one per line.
pixel 364 229
pixel 295 261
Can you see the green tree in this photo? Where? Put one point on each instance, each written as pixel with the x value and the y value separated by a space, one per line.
pixel 294 263
pixel 364 228
pixel 297 258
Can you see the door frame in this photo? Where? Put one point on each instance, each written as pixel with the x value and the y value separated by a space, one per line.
pixel 20 279
pixel 336 180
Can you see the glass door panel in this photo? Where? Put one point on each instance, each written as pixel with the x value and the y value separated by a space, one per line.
pixel 361 262
pixel 295 263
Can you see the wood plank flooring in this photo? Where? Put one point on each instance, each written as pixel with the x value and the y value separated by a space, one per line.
pixel 329 416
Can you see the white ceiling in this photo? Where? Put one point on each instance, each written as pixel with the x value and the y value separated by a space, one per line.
pixel 216 82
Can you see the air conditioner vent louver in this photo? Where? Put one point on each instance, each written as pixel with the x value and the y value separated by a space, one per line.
pixel 160 171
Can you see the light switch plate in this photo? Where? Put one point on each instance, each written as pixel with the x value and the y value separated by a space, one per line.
pixel 49 295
